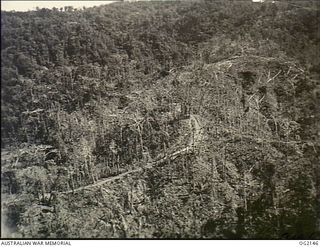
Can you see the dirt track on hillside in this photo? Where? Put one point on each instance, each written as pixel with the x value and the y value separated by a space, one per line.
pixel 195 138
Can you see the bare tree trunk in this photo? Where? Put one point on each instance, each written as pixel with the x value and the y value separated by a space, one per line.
pixel 213 168
pixel 245 192
pixel 92 170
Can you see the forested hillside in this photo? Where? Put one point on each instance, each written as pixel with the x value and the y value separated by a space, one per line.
pixel 161 120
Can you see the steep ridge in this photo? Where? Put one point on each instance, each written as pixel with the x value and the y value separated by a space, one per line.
pixel 194 140
pixel 101 115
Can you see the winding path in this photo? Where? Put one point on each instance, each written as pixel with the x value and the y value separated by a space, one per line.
pixel 196 135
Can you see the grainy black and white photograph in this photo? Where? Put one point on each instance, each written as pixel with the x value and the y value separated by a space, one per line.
pixel 160 119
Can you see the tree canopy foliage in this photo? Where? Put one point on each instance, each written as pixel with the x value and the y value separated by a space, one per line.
pixel 91 94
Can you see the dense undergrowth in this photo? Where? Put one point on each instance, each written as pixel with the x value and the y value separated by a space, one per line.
pixel 91 94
